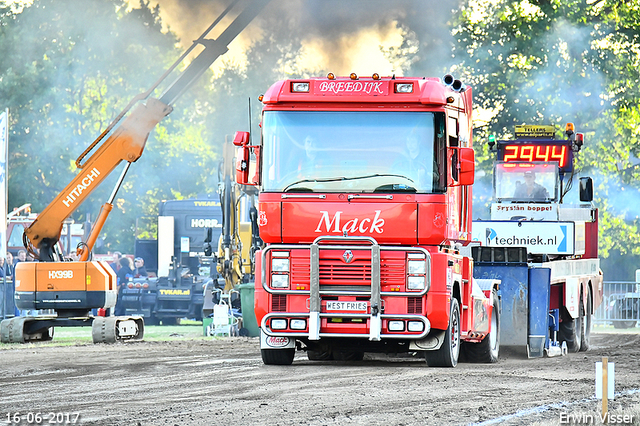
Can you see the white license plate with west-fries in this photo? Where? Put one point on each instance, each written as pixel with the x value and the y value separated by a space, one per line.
pixel 334 305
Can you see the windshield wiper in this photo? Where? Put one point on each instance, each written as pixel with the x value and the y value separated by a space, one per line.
pixel 395 187
pixel 343 178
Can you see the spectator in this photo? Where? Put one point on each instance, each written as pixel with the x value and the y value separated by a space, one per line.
pixel 115 265
pixel 140 270
pixel 22 257
pixel 3 268
pixel 9 267
pixel 125 271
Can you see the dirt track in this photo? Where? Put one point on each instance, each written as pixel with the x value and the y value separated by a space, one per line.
pixel 196 382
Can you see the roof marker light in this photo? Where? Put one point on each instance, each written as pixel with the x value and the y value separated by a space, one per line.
pixel 353 76
pixel 331 76
pixel 375 76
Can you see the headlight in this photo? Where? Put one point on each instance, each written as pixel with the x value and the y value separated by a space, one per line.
pixel 417 267
pixel 298 324
pixel 278 324
pixel 280 281
pixel 280 265
pixel 416 283
pixel 396 325
pixel 415 326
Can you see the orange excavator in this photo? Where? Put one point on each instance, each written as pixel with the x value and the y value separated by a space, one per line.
pixel 72 289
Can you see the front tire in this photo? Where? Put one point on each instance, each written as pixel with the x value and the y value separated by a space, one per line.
pixel 585 341
pixel 570 329
pixel 278 356
pixel 449 352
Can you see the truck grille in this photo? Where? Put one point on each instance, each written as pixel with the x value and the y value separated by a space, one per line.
pixel 279 302
pixel 414 305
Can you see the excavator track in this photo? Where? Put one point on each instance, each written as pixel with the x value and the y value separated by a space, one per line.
pixel 25 329
pixel 117 329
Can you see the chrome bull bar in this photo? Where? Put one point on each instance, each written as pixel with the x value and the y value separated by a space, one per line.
pixel 375 294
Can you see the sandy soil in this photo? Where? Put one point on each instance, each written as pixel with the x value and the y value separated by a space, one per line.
pixel 224 382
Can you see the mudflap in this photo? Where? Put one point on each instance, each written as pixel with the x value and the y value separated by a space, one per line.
pixel 117 329
pixel 25 329
pixel 276 342
pixel 432 342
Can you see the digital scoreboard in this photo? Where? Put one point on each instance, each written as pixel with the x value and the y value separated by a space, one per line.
pixel 530 151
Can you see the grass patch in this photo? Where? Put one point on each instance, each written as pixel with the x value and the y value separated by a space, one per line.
pixel 69 336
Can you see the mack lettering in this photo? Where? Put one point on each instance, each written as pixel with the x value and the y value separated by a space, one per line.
pixel 353 226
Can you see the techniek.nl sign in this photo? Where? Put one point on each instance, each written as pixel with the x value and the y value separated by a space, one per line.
pixel 537 237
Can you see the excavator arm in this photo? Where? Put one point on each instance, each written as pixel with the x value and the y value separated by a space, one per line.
pixel 127 136
pixel 73 288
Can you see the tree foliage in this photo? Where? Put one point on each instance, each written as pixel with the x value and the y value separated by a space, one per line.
pixel 557 61
pixel 68 69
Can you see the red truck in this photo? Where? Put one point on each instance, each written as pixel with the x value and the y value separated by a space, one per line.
pixel 365 209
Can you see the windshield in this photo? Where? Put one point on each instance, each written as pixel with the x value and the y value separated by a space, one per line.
pixel 348 151
pixel 530 182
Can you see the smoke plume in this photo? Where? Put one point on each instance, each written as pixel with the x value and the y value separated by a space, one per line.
pixel 341 36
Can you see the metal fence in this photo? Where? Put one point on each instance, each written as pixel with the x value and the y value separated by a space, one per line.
pixel 7 303
pixel 620 305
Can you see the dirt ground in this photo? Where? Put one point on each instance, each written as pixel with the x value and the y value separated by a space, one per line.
pixel 224 382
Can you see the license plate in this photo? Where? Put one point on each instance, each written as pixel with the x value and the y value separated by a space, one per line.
pixel 346 306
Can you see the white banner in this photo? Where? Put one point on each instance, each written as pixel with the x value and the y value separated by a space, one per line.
pixel 537 237
pixel 4 142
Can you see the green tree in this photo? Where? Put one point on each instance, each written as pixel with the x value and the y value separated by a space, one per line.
pixel 553 61
pixel 68 69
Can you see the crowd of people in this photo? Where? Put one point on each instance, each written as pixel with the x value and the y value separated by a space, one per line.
pixel 8 264
pixel 123 266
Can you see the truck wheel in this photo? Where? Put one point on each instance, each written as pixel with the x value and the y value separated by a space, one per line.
pixel 488 349
pixel 278 356
pixel 569 331
pixel 585 342
pixel 447 355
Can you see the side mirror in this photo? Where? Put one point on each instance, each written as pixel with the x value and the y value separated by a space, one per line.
pixel 586 189
pixel 241 139
pixel 242 165
pixel 243 160
pixel 467 166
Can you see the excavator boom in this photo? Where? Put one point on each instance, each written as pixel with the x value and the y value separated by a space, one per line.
pixel 73 289
pixel 128 136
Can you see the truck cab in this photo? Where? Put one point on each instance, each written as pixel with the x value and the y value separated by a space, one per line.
pixel 364 204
